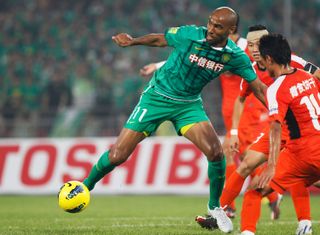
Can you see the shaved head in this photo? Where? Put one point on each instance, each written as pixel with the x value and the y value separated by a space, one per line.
pixel 226 14
pixel 222 22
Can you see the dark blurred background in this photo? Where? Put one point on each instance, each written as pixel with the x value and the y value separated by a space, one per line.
pixel 61 74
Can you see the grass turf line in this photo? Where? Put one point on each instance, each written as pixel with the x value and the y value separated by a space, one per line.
pixel 134 215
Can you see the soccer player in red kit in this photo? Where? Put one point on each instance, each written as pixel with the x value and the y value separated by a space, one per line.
pixel 293 98
pixel 258 152
pixel 251 125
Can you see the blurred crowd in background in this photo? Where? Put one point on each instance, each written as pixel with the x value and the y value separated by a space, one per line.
pixel 62 76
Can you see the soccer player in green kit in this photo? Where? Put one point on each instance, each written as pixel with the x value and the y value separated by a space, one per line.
pixel 200 55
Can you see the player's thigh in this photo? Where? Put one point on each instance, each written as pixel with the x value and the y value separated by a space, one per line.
pixel 191 121
pixel 186 115
pixel 251 161
pixel 203 135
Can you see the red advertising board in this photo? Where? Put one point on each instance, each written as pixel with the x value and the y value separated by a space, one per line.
pixel 158 165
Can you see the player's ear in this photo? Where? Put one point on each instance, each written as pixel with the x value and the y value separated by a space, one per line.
pixel 232 29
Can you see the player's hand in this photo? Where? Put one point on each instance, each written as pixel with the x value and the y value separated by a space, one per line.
pixel 123 39
pixel 266 176
pixel 234 144
pixel 148 69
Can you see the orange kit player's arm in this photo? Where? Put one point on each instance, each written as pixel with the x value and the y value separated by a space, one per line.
pixel 258 88
pixel 150 68
pixel 236 115
pixel 274 147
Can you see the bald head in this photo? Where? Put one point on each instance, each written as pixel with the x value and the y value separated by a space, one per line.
pixel 226 14
pixel 222 22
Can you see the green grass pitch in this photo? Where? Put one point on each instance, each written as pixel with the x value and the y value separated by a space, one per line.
pixel 136 215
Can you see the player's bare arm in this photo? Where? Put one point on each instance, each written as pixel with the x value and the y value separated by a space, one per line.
pixel 236 115
pixel 152 40
pixel 150 68
pixel 259 88
pixel 275 143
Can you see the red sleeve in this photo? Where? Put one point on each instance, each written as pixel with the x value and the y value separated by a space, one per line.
pixel 278 101
pixel 297 62
pixel 245 89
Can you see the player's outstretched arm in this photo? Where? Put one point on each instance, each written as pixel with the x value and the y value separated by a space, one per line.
pixel 153 40
pixel 259 89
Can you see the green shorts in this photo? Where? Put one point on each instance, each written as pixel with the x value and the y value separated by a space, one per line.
pixel 153 109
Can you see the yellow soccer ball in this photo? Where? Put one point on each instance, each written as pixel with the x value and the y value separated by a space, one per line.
pixel 73 197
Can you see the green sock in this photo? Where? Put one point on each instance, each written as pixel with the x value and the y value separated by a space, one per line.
pixel 99 170
pixel 216 174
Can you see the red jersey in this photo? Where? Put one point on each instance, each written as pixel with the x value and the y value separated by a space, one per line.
pixel 294 98
pixel 296 62
pixel 254 119
pixel 230 84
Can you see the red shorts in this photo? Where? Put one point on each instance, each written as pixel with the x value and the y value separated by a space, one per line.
pixel 252 123
pixel 261 144
pixel 298 162
pixel 246 138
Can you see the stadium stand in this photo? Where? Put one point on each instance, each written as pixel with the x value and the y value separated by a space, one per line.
pixel 61 74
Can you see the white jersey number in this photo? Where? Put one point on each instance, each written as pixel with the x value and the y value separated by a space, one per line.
pixel 138 112
pixel 314 109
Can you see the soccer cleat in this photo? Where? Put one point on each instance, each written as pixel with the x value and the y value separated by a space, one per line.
pixel 223 221
pixel 231 213
pixel 206 222
pixel 304 227
pixel 246 232
pixel 275 208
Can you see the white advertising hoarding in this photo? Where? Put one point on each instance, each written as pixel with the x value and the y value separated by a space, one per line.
pixel 158 165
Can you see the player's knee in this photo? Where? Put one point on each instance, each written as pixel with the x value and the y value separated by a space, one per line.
pixel 244 168
pixel 118 155
pixel 215 153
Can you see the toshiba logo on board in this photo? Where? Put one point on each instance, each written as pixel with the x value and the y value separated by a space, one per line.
pixel 158 165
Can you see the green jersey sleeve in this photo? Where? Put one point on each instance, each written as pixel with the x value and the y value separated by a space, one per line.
pixel 176 36
pixel 242 66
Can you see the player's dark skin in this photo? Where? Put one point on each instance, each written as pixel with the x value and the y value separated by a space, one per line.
pixel 222 22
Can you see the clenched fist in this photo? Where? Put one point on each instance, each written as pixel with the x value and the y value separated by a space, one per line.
pixel 148 69
pixel 123 39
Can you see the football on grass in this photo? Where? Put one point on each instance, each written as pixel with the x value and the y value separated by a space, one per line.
pixel 73 197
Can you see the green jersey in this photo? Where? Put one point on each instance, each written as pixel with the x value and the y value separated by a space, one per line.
pixel 193 63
